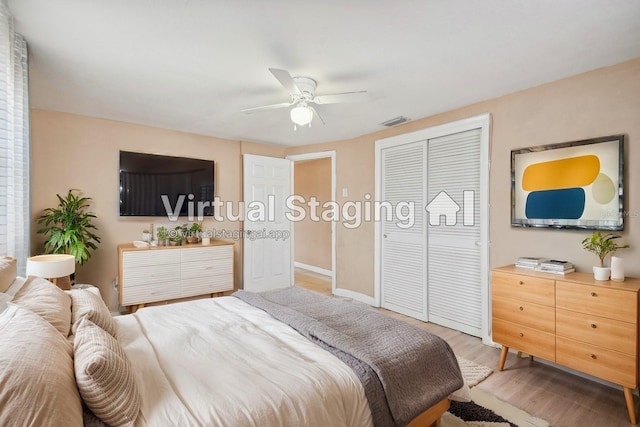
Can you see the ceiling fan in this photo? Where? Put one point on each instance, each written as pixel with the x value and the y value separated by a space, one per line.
pixel 302 91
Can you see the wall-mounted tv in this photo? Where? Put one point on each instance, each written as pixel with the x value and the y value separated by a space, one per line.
pixel 576 184
pixel 150 182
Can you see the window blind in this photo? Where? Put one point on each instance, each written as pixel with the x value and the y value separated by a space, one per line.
pixel 14 142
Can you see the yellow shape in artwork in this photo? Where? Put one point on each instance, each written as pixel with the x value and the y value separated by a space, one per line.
pixel 564 173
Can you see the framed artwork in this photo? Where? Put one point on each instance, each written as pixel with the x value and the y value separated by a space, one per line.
pixel 575 184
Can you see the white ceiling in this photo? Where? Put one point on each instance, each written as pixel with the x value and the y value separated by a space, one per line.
pixel 193 65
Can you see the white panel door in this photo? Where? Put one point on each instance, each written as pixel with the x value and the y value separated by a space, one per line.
pixel 266 258
pixel 454 238
pixel 403 249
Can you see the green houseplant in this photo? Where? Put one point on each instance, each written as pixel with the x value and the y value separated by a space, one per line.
pixel 163 235
pixel 69 227
pixel 194 233
pixel 602 245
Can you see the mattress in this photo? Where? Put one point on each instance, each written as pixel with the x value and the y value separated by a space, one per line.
pixel 222 362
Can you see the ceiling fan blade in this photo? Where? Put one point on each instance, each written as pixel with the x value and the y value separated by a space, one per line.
pixel 315 113
pixel 267 107
pixel 285 80
pixel 336 98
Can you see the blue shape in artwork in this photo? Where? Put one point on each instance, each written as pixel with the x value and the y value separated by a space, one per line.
pixel 567 203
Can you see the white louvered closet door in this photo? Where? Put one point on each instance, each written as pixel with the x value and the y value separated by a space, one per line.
pixel 454 250
pixel 403 250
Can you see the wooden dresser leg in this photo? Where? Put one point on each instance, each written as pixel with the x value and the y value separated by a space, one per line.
pixel 631 407
pixel 503 357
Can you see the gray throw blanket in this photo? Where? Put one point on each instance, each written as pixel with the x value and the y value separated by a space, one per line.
pixel 403 369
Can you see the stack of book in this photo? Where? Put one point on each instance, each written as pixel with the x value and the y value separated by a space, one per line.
pixel 556 267
pixel 530 263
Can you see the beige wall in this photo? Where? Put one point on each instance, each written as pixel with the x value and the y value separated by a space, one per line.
pixel 599 103
pixel 71 151
pixel 312 245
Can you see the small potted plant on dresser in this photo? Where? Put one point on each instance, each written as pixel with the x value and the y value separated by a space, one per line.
pixel 163 235
pixel 602 245
pixel 194 233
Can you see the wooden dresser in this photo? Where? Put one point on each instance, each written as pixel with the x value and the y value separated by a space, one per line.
pixel 572 320
pixel 165 273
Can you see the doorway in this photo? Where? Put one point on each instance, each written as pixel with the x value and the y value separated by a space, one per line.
pixel 314 255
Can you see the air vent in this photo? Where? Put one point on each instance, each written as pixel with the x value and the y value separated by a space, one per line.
pixel 395 121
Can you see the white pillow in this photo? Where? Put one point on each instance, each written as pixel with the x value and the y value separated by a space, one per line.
pixel 15 286
pixel 4 299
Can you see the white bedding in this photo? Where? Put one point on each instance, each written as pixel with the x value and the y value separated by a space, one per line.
pixel 222 362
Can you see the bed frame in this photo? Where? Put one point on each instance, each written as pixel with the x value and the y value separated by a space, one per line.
pixel 431 417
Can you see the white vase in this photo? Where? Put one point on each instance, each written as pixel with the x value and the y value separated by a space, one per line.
pixel 617 269
pixel 601 273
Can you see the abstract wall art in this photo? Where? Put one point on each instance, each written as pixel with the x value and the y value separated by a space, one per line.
pixel 576 184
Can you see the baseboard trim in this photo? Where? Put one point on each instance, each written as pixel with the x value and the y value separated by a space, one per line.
pixel 313 268
pixel 346 293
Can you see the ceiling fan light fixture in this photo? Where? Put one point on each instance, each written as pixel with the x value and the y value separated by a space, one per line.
pixel 301 115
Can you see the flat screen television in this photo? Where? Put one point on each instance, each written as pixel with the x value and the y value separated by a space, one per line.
pixel 155 185
pixel 576 184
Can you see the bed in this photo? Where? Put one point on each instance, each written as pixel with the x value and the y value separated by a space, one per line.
pixel 209 362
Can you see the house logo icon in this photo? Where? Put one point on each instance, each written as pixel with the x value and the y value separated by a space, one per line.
pixel 443 205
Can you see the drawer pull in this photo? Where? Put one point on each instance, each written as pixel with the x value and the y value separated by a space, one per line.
pixel 521 334
pixel 593 356
pixel 593 294
pixel 593 325
pixel 521 308
pixel 521 282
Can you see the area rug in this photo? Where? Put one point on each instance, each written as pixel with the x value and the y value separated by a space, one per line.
pixel 472 372
pixel 485 410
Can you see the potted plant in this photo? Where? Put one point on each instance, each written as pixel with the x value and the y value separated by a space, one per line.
pixel 68 227
pixel 163 235
pixel 146 236
pixel 602 245
pixel 178 235
pixel 194 233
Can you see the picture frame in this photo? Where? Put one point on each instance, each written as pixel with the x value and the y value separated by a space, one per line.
pixel 575 185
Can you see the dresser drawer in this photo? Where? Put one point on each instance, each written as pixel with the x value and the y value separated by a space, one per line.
pixel 600 331
pixel 609 365
pixel 533 289
pixel 524 313
pixel 150 274
pixel 150 292
pixel 528 340
pixel 597 300
pixel 212 267
pixel 132 259
pixel 206 253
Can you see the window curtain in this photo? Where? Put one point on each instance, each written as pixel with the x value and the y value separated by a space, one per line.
pixel 14 143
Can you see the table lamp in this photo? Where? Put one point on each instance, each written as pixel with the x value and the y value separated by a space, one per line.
pixel 52 267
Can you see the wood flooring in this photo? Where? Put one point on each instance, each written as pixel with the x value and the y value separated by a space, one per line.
pixel 561 398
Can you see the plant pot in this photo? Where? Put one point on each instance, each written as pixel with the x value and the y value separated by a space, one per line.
pixel 192 239
pixel 175 242
pixel 601 273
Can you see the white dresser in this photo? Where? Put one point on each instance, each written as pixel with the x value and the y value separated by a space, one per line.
pixel 165 273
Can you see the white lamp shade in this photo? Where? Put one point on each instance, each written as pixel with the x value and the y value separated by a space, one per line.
pixel 51 266
pixel 301 115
